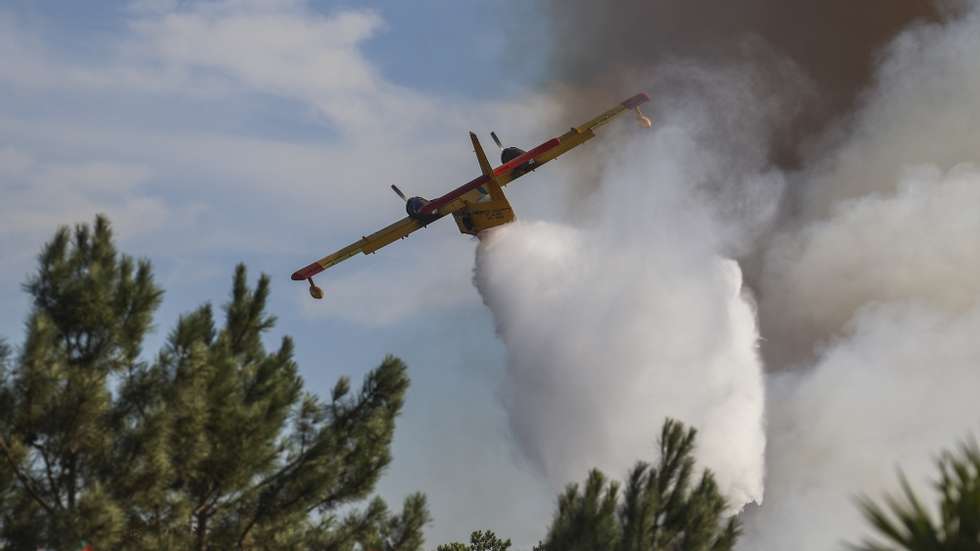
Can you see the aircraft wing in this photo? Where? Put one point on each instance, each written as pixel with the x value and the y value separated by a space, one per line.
pixel 585 131
pixel 366 245
pixel 609 115
pixel 537 156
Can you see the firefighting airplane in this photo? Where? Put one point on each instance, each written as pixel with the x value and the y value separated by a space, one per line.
pixel 479 204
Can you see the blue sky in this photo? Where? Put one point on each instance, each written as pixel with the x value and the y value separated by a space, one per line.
pixel 268 132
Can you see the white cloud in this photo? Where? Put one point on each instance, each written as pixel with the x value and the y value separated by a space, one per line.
pixel 309 195
pixel 294 53
pixel 40 195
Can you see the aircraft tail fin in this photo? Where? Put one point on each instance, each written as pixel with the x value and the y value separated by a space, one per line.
pixel 492 186
pixel 481 157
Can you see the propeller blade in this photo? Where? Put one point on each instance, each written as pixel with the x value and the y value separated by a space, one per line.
pixel 496 140
pixel 399 192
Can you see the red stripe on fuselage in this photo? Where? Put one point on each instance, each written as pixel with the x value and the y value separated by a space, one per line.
pixel 518 161
pixel 436 204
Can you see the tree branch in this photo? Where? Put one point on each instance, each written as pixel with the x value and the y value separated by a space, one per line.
pixel 24 480
pixel 47 469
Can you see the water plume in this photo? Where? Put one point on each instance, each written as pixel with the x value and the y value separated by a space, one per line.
pixel 612 327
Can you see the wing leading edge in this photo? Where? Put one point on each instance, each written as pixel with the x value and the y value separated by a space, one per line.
pixel 366 245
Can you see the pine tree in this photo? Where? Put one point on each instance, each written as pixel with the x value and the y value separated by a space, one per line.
pixel 479 541
pixel 661 508
pixel 211 444
pixel 91 309
pixel 908 524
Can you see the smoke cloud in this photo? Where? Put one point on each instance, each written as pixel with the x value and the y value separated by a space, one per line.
pixel 832 43
pixel 877 285
pixel 829 148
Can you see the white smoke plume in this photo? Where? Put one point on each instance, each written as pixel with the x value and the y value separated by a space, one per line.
pixel 612 327
pixel 879 289
pixel 869 300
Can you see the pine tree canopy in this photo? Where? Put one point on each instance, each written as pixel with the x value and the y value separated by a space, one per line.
pixel 910 525
pixel 662 507
pixel 479 541
pixel 210 444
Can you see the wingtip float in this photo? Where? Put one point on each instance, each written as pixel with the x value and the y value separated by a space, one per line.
pixel 634 103
pixel 479 204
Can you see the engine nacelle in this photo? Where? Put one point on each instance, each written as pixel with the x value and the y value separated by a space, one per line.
pixel 414 206
pixel 510 153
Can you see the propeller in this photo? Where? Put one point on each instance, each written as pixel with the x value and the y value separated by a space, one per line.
pixel 496 140
pixel 399 192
